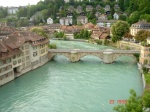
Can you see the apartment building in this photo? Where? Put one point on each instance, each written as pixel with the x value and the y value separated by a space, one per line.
pixel 21 52
pixel 141 25
pixel 145 56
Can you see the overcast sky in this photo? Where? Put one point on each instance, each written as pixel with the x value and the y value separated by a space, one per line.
pixel 17 2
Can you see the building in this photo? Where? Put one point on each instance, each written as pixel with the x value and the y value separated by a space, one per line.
pixel 100 33
pixel 65 21
pixel 5 30
pixel 141 25
pixel 82 20
pixel 21 52
pixel 145 56
pixel 102 17
pixel 12 10
pixel 116 7
pixel 79 9
pixel 106 23
pixel 89 8
pixel 98 7
pixel 107 9
pixel 49 21
pixel 116 16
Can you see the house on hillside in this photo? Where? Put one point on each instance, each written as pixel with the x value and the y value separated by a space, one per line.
pixel 116 8
pixel 106 23
pixel 82 20
pixel 98 7
pixel 102 17
pixel 49 21
pixel 65 21
pixel 141 25
pixel 71 8
pixel 116 16
pixel 107 9
pixel 79 9
pixel 12 10
pixel 89 8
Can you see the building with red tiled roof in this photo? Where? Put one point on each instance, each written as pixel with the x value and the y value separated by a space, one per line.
pixel 21 52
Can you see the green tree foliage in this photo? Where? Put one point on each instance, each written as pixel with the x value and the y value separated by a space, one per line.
pixel 52 46
pixel 119 29
pixel 121 4
pixel 146 99
pixel 3 12
pixel 83 34
pixel 60 35
pixel 39 31
pixel 22 23
pixel 134 104
pixel 142 35
pixel 145 17
pixel 122 17
pixel 134 17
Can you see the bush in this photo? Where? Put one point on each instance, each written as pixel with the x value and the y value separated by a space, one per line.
pixel 52 46
pixel 145 70
pixel 98 42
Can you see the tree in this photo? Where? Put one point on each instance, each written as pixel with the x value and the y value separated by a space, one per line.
pixel 134 17
pixel 145 17
pixel 142 35
pixel 146 99
pixel 22 23
pixel 122 17
pixel 39 31
pixel 128 35
pixel 119 29
pixel 134 104
pixel 121 4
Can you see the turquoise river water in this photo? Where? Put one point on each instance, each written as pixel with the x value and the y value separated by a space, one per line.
pixel 62 86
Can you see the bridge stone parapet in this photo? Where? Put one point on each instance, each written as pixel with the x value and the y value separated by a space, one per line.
pixel 107 56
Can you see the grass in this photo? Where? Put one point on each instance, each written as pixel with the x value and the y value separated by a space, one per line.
pixel 147 78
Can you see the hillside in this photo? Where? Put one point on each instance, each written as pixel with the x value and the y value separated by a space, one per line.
pixel 129 10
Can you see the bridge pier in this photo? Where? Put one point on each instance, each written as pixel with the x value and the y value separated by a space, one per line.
pixel 74 56
pixel 108 56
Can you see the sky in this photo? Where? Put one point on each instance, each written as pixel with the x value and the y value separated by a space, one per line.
pixel 5 3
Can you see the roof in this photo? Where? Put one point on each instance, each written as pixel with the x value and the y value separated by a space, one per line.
pixel 81 17
pixel 107 21
pixel 142 24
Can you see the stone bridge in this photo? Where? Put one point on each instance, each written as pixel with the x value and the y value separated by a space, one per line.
pixel 107 56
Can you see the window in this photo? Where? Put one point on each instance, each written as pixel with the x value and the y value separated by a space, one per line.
pixel 6 75
pixel 27 52
pixel 14 57
pixel 1 63
pixel 4 62
pixel 27 58
pixel 14 62
pixel 19 61
pixel 18 55
pixel 8 60
pixel 27 47
pixel 34 54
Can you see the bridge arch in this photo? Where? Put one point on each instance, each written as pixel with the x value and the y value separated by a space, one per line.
pixel 60 54
pixel 82 55
pixel 116 56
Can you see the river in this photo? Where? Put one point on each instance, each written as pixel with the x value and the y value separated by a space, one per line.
pixel 62 86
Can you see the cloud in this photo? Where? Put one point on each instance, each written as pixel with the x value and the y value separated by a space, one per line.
pixel 17 2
